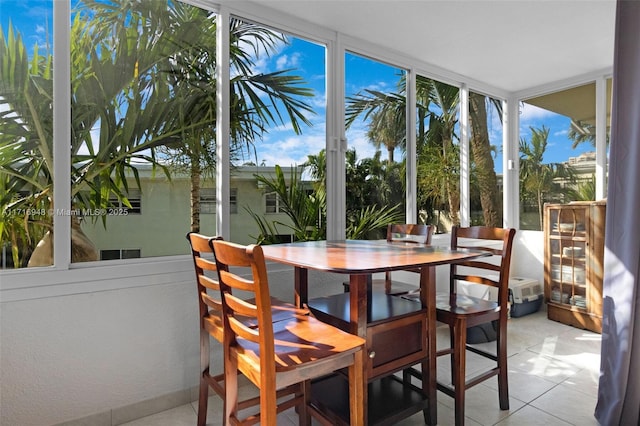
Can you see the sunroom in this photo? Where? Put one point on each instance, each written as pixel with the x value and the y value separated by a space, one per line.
pixel 386 106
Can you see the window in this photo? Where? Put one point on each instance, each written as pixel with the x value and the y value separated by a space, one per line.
pixel 285 131
pixel 376 129
pixel 133 197
pixel 485 146
pixel 438 152
pixel 233 200
pixel 118 133
pixel 272 203
pixel 119 254
pixel 558 150
pixel 207 200
pixel 26 108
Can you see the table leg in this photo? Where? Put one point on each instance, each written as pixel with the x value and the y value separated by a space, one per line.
pixel 358 318
pixel 428 299
pixel 301 286
pixel 358 304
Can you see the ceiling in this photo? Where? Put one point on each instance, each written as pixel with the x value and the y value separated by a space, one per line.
pixel 511 45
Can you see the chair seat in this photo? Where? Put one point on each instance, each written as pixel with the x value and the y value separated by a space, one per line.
pixel 302 339
pixel 462 304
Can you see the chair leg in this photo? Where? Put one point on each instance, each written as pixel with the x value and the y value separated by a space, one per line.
pixel 268 404
pixel 230 402
pixel 304 417
pixel 503 381
pixel 459 367
pixel 357 390
pixel 203 397
pixel 452 354
pixel 203 401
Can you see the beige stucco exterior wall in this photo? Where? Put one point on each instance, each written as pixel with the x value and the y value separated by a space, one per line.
pixel 165 219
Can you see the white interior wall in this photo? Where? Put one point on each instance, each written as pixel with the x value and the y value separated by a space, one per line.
pixel 72 355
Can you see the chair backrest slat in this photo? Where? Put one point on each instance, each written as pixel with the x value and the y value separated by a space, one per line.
pixel 208 287
pixel 238 313
pixel 483 270
pixel 411 233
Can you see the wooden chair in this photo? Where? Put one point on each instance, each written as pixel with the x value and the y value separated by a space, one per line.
pixel 211 324
pixel 275 355
pixel 460 311
pixel 401 233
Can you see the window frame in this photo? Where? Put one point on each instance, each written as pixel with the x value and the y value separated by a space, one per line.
pixel 63 272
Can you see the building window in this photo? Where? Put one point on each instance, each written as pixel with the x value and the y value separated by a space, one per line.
pixel 119 254
pixel 135 199
pixel 233 200
pixel 207 200
pixel 272 203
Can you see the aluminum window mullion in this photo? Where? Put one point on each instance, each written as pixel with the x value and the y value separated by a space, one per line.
pixel 223 163
pixel 335 142
pixel 510 163
pixel 465 214
pixel 601 138
pixel 411 150
pixel 61 134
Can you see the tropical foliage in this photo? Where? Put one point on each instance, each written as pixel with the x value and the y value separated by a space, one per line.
pixel 437 106
pixel 148 100
pixel 305 203
pixel 305 210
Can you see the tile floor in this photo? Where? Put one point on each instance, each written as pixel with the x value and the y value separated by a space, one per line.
pixel 553 380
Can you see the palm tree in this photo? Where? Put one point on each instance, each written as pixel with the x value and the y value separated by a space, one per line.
pixel 388 119
pixel 437 104
pixel 258 100
pixel 26 142
pixel 387 112
pixel 481 151
pixel 441 134
pixel 150 92
pixel 539 180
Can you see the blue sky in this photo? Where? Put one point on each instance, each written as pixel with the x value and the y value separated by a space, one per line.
pixel 362 73
pixel 281 145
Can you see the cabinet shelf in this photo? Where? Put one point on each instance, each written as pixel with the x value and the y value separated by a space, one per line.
pixel 574 252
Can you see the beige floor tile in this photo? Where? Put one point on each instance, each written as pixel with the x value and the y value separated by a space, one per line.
pixel 585 381
pixel 536 364
pixel 180 416
pixel 569 404
pixel 531 416
pixel 522 386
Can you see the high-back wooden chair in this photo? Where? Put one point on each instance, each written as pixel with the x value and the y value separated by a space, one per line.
pixel 461 311
pixel 405 233
pixel 401 233
pixel 210 315
pixel 275 355
pixel 210 318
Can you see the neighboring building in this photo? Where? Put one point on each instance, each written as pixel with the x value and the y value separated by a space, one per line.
pixel 159 217
pixel 584 165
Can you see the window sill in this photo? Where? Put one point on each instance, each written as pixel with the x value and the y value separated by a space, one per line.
pixel 36 283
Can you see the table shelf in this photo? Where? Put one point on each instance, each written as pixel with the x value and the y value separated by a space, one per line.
pixel 390 400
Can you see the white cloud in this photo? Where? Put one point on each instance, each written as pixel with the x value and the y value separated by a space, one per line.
pixel 530 112
pixel 288 61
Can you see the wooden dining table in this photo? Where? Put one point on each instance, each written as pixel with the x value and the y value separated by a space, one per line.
pixel 360 259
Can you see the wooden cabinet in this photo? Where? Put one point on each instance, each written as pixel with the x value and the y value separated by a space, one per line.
pixel 573 264
pixel 396 339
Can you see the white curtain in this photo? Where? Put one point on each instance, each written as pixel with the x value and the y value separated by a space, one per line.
pixel 619 390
